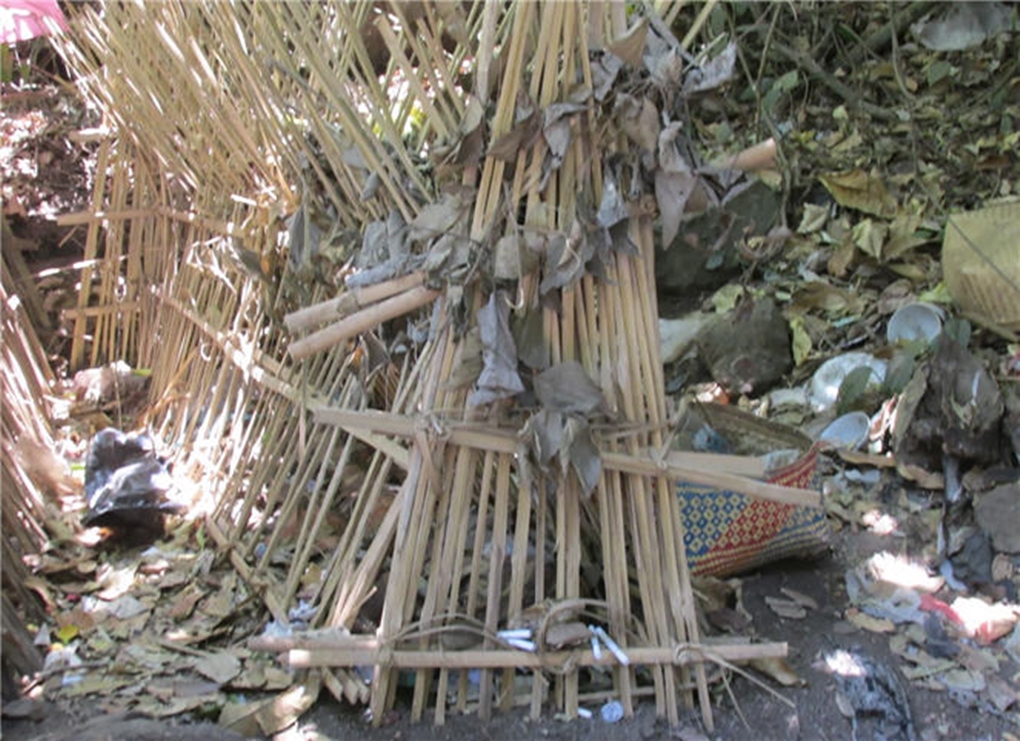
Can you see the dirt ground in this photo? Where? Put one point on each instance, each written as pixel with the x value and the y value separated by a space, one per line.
pixel 808 711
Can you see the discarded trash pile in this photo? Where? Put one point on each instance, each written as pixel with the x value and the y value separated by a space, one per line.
pixel 126 484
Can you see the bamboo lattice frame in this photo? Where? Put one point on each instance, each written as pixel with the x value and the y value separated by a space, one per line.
pixel 228 118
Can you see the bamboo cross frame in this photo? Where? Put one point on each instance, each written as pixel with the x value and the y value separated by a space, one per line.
pixel 473 527
pixel 675 465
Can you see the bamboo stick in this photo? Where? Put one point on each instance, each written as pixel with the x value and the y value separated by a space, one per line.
pixel 675 466
pixel 761 156
pixel 362 321
pixel 349 302
pixel 369 652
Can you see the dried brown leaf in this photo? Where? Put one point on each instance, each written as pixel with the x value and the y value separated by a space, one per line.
pixel 813 219
pixel 583 454
pixel 870 237
pixel 786 608
pixel 639 119
pixel 529 334
pixel 566 257
pixel 604 70
pixel 800 598
pixel 778 669
pixel 827 297
pixel 437 218
pixel 713 73
pixel 568 388
pixel 219 667
pixel 858 190
pixel 519 138
pixel 499 378
pixel 630 47
pixel 612 209
pixel 903 236
pixel 467 363
pixel 546 430
pixel 672 191
pixel 512 259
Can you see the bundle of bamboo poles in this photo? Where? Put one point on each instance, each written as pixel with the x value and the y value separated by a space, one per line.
pixel 292 398
pixel 476 523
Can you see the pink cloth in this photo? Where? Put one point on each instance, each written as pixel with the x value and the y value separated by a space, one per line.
pixel 21 20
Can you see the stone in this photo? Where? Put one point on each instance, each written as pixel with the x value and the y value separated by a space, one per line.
pixel 998 514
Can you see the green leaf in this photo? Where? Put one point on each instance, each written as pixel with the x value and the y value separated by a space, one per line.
pixel 899 372
pixel 801 340
pixel 851 391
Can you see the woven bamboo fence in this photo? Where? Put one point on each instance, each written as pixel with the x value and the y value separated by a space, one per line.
pixel 32 478
pixel 358 447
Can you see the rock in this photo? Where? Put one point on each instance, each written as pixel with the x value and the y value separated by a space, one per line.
pixel 1011 420
pixel 706 251
pixel 747 350
pixel 676 336
pixel 998 514
pixel 951 407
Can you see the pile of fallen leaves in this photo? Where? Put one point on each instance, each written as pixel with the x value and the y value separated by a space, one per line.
pixel 892 302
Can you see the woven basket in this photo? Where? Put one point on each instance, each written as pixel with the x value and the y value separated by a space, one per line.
pixel 727 532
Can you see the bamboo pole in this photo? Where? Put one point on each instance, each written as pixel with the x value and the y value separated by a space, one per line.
pixel 369 653
pixel 362 321
pixel 349 302
pixel 675 466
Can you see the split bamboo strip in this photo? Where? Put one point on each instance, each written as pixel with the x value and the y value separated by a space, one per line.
pixel 91 251
pixel 132 214
pixel 25 381
pixel 342 566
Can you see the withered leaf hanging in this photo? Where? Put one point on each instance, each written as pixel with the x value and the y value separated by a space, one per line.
pixel 567 438
pixel 630 47
pixel 384 252
pixel 583 453
pixel 467 364
pixel 545 430
pixel 526 128
pixel 604 69
pixel 556 130
pixel 566 257
pixel 639 119
pixel 529 334
pixel 499 378
pixel 612 209
pixel 568 388
pixel 674 183
pixel 437 218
